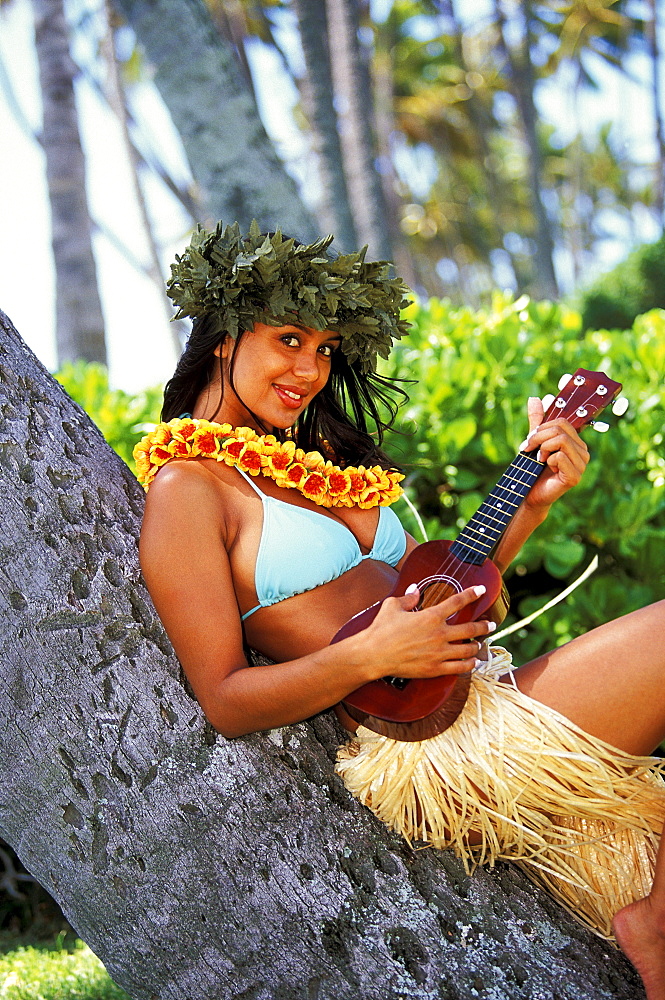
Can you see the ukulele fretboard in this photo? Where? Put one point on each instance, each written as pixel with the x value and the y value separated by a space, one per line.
pixel 478 538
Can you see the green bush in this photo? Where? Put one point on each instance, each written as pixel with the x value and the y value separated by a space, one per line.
pixel 121 417
pixel 471 374
pixel 634 286
pixel 467 417
pixel 55 972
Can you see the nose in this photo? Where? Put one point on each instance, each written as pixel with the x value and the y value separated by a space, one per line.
pixel 306 364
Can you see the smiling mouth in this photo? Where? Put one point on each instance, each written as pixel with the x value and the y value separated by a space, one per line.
pixel 289 397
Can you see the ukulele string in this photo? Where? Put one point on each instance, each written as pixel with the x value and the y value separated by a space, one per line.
pixel 520 464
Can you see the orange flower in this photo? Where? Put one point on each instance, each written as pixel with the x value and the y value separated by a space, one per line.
pixel 250 460
pixel 357 481
pixel 277 464
pixel 315 476
pixel 207 441
pixel 339 482
pixel 369 498
pixel 180 449
pixel 160 455
pixel 314 460
pixel 295 474
pixel 231 451
pixel 143 463
pixel 183 429
pixel 160 435
pixel 314 487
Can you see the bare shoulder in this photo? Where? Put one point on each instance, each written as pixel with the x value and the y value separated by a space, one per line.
pixel 181 484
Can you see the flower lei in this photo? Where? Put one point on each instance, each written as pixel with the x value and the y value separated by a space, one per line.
pixel 290 467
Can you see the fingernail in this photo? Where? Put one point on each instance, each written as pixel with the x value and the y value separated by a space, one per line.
pixel 411 589
pixel 491 626
pixel 478 663
pixel 479 591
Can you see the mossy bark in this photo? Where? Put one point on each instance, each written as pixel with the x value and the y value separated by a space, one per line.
pixel 194 866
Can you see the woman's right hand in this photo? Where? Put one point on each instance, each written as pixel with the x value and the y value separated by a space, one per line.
pixel 404 644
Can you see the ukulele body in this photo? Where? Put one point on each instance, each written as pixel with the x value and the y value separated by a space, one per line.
pixel 417 708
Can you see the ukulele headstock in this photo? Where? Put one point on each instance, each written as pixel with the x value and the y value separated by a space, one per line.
pixel 582 396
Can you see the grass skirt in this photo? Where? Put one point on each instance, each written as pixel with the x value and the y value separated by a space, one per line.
pixel 580 817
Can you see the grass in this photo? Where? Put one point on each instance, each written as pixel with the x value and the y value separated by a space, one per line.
pixel 63 968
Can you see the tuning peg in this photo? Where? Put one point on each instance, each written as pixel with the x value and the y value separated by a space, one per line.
pixel 548 400
pixel 619 406
pixel 600 426
pixel 564 380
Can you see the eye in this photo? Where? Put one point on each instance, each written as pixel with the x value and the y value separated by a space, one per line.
pixel 327 350
pixel 291 340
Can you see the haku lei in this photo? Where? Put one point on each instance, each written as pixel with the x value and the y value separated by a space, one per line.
pixel 290 467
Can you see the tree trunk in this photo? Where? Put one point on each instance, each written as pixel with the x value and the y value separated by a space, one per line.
pixel 659 128
pixel 230 155
pixel 521 75
pixel 79 321
pixel 353 96
pixel 200 868
pixel 335 211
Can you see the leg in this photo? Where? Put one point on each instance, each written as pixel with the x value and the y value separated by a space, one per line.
pixel 610 682
pixel 640 932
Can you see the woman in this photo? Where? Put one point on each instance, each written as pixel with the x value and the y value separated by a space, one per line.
pixel 268 525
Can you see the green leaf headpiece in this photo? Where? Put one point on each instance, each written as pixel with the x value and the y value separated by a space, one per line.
pixel 240 280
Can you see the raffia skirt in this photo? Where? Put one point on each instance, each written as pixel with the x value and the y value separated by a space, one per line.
pixel 580 817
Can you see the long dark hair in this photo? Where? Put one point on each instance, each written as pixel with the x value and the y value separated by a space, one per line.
pixel 347 418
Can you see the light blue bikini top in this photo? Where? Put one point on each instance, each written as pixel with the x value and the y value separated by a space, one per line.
pixel 301 549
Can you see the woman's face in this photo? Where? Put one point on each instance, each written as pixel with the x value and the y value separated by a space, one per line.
pixel 277 371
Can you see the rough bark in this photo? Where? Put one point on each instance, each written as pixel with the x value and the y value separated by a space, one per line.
pixel 79 320
pixel 335 211
pixel 197 867
pixel 231 157
pixel 659 127
pixel 522 79
pixel 354 100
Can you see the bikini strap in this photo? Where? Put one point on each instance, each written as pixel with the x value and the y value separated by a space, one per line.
pixel 251 482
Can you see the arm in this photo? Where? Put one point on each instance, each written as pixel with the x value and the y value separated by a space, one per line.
pixel 186 567
pixel 566 455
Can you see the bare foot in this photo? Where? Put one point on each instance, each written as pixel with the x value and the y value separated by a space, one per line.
pixel 641 937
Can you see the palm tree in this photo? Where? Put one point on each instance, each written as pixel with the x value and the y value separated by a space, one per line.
pixel 79 320
pixel 353 97
pixel 335 209
pixel 659 129
pixel 522 78
pixel 232 159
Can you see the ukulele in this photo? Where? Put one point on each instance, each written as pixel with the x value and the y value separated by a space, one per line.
pixel 416 708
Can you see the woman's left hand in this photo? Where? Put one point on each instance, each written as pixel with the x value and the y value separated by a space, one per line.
pixel 561 448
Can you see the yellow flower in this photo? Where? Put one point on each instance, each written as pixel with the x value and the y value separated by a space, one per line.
pixel 315 476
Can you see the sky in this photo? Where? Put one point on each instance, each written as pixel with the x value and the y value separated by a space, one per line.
pixel 140 343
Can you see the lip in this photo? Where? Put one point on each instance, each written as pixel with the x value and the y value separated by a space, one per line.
pixel 289 401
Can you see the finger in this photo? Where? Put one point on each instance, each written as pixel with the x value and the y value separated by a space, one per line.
pixel 559 441
pixel 411 597
pixel 557 436
pixel 469 630
pixel 568 470
pixel 461 650
pixel 458 601
pixel 459 666
pixel 535 412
